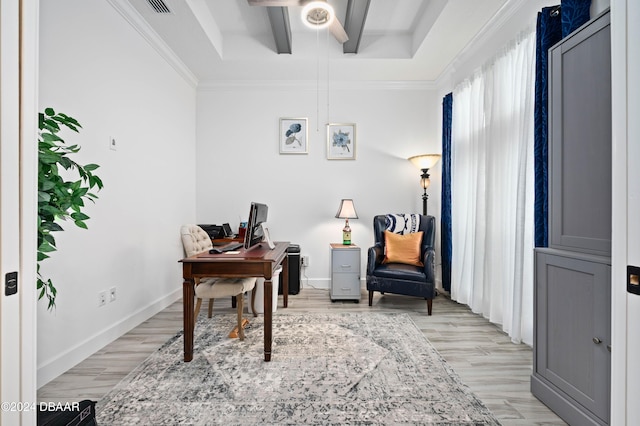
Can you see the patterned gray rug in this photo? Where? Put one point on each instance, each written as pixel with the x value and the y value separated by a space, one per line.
pixel 348 368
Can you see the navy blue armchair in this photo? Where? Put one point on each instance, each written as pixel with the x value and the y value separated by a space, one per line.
pixel 400 278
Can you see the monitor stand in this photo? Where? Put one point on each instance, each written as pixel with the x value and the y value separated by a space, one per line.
pixel 267 236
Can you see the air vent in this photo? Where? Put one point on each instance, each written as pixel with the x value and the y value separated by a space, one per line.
pixel 159 6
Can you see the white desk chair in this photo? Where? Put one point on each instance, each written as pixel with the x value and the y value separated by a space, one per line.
pixel 194 241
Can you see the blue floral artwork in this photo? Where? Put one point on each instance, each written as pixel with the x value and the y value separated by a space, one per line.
pixel 341 141
pixel 293 136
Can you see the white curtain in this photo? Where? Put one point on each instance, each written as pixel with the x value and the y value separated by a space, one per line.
pixel 492 190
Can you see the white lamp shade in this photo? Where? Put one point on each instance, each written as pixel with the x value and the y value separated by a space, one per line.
pixel 347 210
pixel 425 161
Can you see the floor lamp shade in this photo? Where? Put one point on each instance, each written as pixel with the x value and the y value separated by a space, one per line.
pixel 425 161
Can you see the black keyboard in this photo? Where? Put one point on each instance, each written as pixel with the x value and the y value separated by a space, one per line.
pixel 231 246
pixel 228 247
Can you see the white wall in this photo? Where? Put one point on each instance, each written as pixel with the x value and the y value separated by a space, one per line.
pixel 238 159
pixel 96 68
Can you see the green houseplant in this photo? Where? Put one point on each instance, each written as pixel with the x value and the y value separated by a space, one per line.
pixel 60 197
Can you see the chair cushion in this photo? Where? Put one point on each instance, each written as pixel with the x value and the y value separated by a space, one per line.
pixel 401 272
pixel 223 287
pixel 403 248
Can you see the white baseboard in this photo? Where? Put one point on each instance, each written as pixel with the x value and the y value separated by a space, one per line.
pixel 80 352
pixel 320 283
pixel 324 283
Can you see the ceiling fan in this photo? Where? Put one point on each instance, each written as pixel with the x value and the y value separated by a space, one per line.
pixel 315 14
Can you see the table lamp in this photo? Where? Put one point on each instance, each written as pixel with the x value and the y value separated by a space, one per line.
pixel 346 211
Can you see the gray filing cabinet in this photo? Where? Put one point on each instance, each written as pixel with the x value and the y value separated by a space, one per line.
pixel 345 272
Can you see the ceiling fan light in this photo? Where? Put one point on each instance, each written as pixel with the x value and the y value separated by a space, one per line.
pixel 317 14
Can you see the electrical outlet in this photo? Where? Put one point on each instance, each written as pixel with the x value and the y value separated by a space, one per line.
pixel 112 294
pixel 102 298
pixel 305 261
pixel 112 143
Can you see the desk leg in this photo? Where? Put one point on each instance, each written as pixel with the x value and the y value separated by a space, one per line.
pixel 285 281
pixel 187 306
pixel 268 318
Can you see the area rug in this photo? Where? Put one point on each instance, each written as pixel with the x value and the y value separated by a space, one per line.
pixel 346 368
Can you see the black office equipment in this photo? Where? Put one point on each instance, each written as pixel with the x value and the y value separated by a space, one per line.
pixel 226 229
pixel 81 413
pixel 295 265
pixel 214 231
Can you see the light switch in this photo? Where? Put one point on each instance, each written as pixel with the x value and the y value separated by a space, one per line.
pixel 11 283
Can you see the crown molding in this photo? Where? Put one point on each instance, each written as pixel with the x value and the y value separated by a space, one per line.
pixel 217 85
pixel 144 29
pixel 493 26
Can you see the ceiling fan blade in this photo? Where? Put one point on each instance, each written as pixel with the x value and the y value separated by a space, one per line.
pixel 338 31
pixel 274 3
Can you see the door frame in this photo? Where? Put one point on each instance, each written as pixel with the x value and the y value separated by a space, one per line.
pixel 18 207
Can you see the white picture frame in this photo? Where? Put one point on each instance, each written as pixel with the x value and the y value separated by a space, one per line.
pixel 341 141
pixel 294 136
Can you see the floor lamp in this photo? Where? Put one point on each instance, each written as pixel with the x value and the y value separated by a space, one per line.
pixel 425 162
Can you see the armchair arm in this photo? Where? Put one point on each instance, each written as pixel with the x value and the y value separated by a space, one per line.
pixel 375 256
pixel 430 264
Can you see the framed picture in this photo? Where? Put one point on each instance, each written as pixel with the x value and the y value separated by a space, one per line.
pixel 341 141
pixel 293 136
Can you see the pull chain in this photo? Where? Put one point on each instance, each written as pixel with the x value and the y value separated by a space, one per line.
pixel 328 119
pixel 317 80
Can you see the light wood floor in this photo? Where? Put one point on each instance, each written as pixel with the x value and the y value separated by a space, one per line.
pixel 494 368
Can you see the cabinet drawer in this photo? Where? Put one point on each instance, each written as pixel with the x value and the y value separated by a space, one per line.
pixel 346 261
pixel 345 285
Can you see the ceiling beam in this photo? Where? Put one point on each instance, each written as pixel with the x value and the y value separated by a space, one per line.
pixel 279 19
pixel 354 24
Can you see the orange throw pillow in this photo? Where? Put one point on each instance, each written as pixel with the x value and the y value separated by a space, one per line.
pixel 403 248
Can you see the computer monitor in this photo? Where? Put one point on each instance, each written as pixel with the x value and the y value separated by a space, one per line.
pixel 255 233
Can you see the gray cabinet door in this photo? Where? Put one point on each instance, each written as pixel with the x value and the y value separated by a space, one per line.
pixel 573 333
pixel 580 140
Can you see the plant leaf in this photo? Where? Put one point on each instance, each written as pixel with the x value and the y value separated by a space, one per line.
pixel 59 199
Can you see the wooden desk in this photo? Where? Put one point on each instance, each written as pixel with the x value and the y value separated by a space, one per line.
pixel 257 262
pixel 225 241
